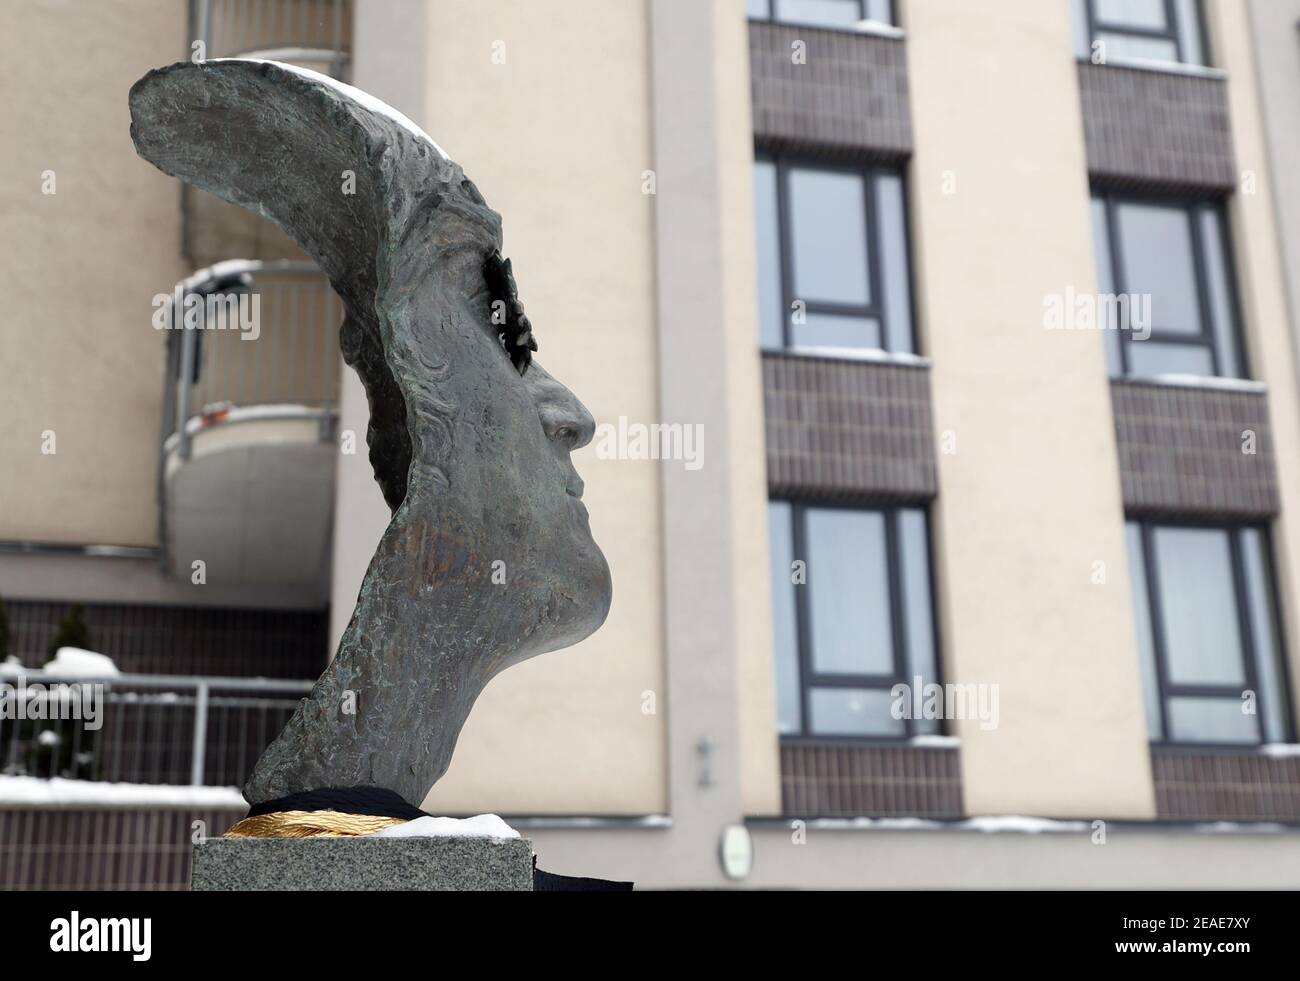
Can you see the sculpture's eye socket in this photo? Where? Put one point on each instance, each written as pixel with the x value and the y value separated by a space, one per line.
pixel 508 318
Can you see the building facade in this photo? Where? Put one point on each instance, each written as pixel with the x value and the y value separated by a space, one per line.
pixel 970 559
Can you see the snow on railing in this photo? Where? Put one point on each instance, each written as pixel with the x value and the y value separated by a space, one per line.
pixel 140 729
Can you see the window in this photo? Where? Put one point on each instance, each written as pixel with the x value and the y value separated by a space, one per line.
pixel 852 617
pixel 1140 30
pixel 1208 633
pixel 832 257
pixel 823 13
pixel 1171 258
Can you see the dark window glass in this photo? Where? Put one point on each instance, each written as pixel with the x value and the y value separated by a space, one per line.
pixel 1136 47
pixel 1105 285
pixel 848 606
pixel 1261 602
pixel 1207 634
pixel 1151 357
pixel 918 610
pixel 853 712
pixel 1158 259
pixel 1142 622
pixel 1171 258
pixel 1202 632
pixel 823 13
pixel 895 279
pixel 833 268
pixel 785 627
pixel 1219 287
pixel 1210 720
pixel 1143 30
pixel 768 229
pixel 853 617
pixel 828 236
pixel 1148 14
pixel 834 330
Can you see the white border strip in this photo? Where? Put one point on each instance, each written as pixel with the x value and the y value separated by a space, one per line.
pixel 1215 383
pixel 1019 824
pixel 873 354
pixel 1159 67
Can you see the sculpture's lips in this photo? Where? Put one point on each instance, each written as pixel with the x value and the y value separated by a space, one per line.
pixel 580 508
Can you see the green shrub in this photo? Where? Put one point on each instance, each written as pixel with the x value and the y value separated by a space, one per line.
pixel 73 631
pixel 4 631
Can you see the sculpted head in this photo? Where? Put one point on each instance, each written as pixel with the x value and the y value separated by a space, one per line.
pixel 489 557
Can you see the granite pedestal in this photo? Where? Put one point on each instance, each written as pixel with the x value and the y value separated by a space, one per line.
pixel 354 863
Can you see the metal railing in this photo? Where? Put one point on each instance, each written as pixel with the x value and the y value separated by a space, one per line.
pixel 149 729
pixel 216 369
pixel 310 32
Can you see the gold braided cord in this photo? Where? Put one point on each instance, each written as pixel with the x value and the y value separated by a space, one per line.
pixel 310 824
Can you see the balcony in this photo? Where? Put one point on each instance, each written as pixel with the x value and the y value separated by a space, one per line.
pixel 313 34
pixel 246 467
pixel 246 459
pixel 116 806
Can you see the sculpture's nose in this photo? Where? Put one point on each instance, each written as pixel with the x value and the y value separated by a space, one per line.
pixel 565 420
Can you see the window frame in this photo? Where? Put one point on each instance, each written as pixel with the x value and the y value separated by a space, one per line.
pixel 1111 201
pixel 1251 653
pixel 875 308
pixel 770 16
pixel 1096 26
pixel 900 650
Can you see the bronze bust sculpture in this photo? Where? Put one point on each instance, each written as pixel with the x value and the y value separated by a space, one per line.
pixel 488 559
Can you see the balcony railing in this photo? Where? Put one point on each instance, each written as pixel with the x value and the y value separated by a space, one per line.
pixel 313 33
pixel 253 503
pixel 253 374
pixel 152 729
pixel 283 362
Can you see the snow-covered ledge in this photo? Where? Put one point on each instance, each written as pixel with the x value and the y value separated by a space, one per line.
pixel 1280 750
pixel 1023 825
pixel 30 793
pixel 935 742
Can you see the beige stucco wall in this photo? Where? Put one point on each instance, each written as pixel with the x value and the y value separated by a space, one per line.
pixel 1277 80
pixel 79 355
pixel 556 138
pixel 760 785
pixel 1125 857
pixel 1266 315
pixel 1030 498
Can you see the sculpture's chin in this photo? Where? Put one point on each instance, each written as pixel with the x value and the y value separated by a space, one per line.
pixel 582 598
pixel 601 590
pixel 592 591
